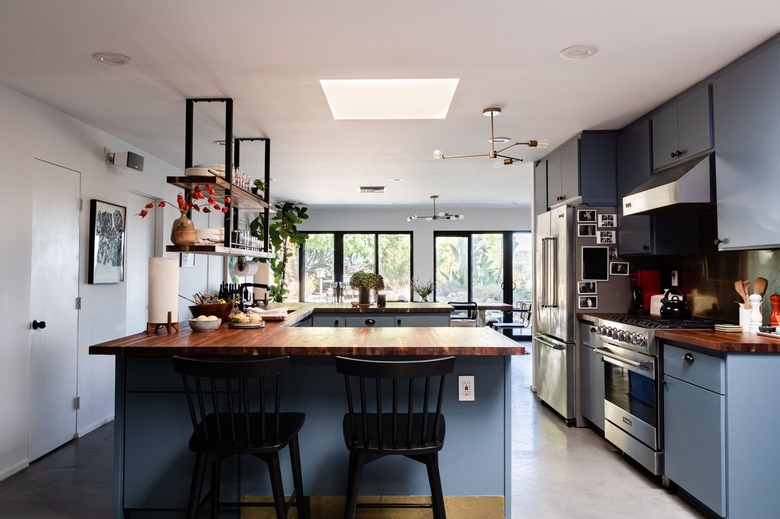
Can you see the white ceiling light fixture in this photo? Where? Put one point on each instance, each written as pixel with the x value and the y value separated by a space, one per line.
pixel 492 112
pixel 578 52
pixel 112 58
pixel 377 99
pixel 436 216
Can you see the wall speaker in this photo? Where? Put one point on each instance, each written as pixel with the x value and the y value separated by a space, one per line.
pixel 128 159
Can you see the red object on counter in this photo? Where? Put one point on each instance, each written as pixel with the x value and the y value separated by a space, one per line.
pixel 650 282
pixel 774 317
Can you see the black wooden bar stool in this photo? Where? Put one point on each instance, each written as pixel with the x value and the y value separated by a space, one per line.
pixel 235 409
pixel 394 408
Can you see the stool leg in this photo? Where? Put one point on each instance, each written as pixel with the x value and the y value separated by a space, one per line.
pixel 356 461
pixel 295 461
pixel 437 495
pixel 277 489
pixel 196 486
pixel 216 477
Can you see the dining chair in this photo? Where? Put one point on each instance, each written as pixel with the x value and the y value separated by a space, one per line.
pixel 464 313
pixel 394 407
pixel 235 410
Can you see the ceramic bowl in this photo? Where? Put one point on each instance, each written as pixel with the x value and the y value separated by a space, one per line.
pixel 205 326
pixel 221 310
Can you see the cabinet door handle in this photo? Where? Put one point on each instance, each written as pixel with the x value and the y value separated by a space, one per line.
pixel 398 322
pixel 38 325
pixel 336 322
pixel 688 357
pixel 370 322
pixel 645 247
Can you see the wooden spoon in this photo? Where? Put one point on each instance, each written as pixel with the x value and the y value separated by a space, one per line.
pixel 739 286
pixel 759 286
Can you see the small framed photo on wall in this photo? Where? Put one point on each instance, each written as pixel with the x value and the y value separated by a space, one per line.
pixel 586 215
pixel 618 268
pixel 587 302
pixel 586 287
pixel 607 220
pixel 605 237
pixel 586 230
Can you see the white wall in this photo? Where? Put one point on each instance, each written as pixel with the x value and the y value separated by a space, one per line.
pixel 30 130
pixel 322 219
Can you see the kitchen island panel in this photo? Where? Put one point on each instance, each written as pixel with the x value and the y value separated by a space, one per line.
pixel 153 429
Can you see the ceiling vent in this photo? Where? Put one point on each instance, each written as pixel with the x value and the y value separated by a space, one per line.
pixel 372 189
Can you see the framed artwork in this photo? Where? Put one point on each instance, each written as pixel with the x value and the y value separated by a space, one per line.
pixel 586 215
pixel 186 260
pixel 605 237
pixel 618 268
pixel 106 242
pixel 587 302
pixel 586 287
pixel 607 220
pixel 586 230
pixel 613 254
pixel 595 263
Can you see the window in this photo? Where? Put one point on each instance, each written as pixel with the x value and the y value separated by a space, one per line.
pixel 334 257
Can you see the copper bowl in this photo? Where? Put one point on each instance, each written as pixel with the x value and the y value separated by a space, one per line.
pixel 221 310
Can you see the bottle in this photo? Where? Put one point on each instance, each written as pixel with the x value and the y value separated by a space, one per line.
pixel 774 317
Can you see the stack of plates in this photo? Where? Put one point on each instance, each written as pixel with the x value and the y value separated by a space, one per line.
pixel 200 170
pixel 728 328
pixel 213 235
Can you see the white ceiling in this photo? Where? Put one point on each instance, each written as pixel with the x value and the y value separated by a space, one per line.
pixel 270 55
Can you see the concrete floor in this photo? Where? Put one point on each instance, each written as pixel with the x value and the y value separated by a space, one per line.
pixel 557 472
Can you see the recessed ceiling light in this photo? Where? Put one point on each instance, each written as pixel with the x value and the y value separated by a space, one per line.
pixel 112 58
pixel 397 179
pixel 578 52
pixel 389 98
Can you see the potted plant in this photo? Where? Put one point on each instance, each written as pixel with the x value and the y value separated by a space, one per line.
pixel 423 289
pixel 365 282
pixel 284 237
pixel 259 187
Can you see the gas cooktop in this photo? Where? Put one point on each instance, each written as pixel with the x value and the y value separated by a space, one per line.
pixel 647 321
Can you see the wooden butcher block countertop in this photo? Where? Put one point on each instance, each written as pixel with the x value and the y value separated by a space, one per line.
pixel 282 338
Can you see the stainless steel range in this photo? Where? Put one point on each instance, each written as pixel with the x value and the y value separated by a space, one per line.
pixel 633 403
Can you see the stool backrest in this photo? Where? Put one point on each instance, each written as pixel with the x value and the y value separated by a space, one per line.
pixel 395 403
pixel 234 403
pixel 463 309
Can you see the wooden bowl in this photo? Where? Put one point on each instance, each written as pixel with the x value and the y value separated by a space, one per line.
pixel 221 310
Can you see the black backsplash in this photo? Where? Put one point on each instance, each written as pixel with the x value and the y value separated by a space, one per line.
pixel 708 278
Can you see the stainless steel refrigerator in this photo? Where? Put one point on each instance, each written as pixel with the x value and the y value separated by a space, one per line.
pixel 576 270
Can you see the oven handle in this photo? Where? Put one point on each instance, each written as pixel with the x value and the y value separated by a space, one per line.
pixel 625 363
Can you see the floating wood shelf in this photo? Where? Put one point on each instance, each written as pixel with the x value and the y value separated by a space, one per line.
pixel 239 198
pixel 219 250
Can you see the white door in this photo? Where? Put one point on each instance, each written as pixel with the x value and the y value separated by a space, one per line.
pixel 140 247
pixel 54 285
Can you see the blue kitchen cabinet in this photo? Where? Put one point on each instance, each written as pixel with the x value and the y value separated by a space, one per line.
pixel 645 234
pixel 683 129
pixel 591 376
pixel 746 111
pixel 719 428
pixel 540 187
pixel 694 418
pixel 585 167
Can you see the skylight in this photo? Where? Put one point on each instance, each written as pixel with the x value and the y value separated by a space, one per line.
pixel 389 98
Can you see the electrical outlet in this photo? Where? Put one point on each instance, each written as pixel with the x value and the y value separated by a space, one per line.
pixel 674 278
pixel 466 388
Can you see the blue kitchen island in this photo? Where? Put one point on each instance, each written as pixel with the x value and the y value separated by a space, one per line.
pixel 153 464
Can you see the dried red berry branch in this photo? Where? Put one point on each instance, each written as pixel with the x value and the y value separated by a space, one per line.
pixel 190 202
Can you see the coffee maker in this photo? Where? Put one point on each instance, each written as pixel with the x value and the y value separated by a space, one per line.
pixel 644 285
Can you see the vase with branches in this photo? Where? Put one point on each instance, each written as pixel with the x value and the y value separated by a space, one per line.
pixel 423 289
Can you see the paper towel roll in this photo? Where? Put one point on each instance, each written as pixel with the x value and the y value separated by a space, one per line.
pixel 245 268
pixel 163 290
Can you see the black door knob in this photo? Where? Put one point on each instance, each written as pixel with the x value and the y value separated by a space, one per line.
pixel 38 324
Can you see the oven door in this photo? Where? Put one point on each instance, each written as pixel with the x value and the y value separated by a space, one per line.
pixel 631 397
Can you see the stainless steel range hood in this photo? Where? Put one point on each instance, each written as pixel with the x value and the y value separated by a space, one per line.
pixel 685 188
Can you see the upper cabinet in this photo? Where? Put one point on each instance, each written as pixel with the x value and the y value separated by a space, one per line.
pixel 746 112
pixel 540 187
pixel 683 129
pixel 583 167
pixel 642 233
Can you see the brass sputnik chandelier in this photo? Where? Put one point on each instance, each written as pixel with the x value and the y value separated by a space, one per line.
pixel 435 215
pixel 491 112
